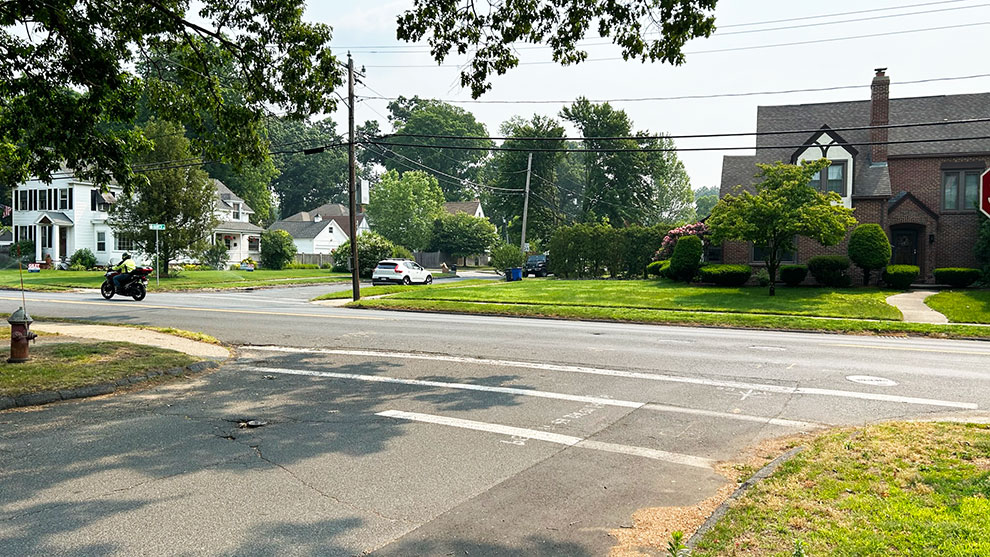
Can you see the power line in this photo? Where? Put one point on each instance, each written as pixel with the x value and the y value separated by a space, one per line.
pixel 460 181
pixel 693 136
pixel 690 97
pixel 677 149
pixel 718 50
pixel 839 14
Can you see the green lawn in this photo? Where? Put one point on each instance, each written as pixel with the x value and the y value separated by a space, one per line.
pixel 187 280
pixel 66 365
pixel 396 288
pixel 858 303
pixel 893 489
pixel 962 306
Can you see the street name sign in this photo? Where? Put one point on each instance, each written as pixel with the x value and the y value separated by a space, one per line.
pixel 156 227
pixel 985 193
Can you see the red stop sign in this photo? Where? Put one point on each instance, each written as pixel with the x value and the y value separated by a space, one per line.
pixel 985 193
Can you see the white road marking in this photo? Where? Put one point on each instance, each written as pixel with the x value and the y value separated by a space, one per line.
pixel 545 394
pixel 569 440
pixel 871 380
pixel 780 389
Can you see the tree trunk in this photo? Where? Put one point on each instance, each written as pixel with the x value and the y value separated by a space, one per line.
pixel 866 276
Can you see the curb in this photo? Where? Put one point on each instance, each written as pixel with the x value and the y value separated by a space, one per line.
pixel 47 397
pixel 759 476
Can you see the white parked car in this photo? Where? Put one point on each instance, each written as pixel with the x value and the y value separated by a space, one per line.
pixel 400 271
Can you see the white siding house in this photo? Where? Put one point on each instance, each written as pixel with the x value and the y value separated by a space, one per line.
pixel 321 230
pixel 70 215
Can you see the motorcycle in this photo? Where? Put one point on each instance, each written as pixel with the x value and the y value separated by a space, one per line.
pixel 136 287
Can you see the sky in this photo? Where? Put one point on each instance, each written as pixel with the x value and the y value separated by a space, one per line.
pixel 364 28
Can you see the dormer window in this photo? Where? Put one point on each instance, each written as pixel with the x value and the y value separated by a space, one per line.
pixel 237 211
pixel 832 179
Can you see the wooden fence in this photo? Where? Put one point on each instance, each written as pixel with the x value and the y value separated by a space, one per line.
pixel 314 258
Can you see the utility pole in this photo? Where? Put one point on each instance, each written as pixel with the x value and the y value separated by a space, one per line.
pixel 355 278
pixel 529 171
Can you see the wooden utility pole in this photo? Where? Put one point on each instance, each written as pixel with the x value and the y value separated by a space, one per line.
pixel 351 163
pixel 529 171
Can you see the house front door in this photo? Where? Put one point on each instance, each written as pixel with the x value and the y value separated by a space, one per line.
pixel 63 241
pixel 905 246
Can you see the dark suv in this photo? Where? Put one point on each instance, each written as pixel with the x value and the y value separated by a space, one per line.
pixel 536 265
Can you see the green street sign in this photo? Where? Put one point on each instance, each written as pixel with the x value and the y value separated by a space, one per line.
pixel 156 227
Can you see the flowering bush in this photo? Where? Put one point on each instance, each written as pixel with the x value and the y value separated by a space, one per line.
pixel 699 229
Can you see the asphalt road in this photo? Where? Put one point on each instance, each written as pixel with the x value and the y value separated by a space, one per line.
pixel 420 434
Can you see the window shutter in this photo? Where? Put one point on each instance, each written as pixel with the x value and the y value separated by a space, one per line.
pixel 92 200
pixel 70 197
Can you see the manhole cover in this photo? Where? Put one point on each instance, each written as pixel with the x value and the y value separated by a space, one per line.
pixel 871 380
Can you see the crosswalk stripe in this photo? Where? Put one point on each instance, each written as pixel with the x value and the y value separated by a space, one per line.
pixel 780 389
pixel 569 440
pixel 543 394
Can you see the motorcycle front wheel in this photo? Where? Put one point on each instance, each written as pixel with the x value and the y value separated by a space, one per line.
pixel 107 290
pixel 139 292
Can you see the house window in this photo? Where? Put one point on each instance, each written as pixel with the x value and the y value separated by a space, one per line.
pixel 25 233
pixel 254 243
pixel 713 254
pixel 223 238
pixel 43 200
pixel 22 200
pixel 834 179
pixel 46 236
pixel 63 199
pixel 760 255
pixel 101 241
pixel 237 211
pixel 960 190
pixel 124 243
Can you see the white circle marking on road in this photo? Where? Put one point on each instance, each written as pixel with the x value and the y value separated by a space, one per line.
pixel 871 380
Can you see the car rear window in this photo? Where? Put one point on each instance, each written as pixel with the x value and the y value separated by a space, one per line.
pixel 537 258
pixel 386 265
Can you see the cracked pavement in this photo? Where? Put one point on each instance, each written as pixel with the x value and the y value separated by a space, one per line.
pixel 433 435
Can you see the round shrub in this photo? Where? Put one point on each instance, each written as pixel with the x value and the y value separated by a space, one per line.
pixel 830 270
pixel 959 277
pixel 900 276
pixel 725 275
pixel 83 257
pixel 793 275
pixel 763 277
pixel 372 248
pixel 686 260
pixel 869 248
pixel 507 256
pixel 401 252
pixel 277 249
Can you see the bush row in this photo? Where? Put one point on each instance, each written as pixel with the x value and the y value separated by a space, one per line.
pixel 725 275
pixel 595 250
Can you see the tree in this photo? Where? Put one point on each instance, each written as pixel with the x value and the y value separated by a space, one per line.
pixel 488 36
pixel 461 234
pixel 277 249
pixel 305 182
pixel 452 168
pixel 507 172
pixel 673 199
pixel 70 92
pixel 784 207
pixel 180 197
pixel 252 183
pixel 372 248
pixel 703 205
pixel 869 248
pixel 403 209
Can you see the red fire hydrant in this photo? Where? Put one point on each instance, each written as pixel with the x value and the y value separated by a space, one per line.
pixel 20 335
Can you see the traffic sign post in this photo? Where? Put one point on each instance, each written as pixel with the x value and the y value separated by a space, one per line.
pixel 156 228
pixel 985 193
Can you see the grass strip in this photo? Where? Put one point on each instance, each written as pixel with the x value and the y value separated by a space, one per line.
pixel 688 318
pixel 962 306
pixel 887 489
pixel 67 365
pixel 51 280
pixel 396 288
pixel 860 303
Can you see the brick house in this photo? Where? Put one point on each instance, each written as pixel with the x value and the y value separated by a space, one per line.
pixel 922 187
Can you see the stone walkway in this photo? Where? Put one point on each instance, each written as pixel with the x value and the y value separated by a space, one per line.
pixel 912 305
pixel 137 336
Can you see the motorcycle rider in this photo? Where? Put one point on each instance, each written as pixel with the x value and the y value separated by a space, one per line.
pixel 125 267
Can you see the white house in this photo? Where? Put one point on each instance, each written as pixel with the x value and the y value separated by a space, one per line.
pixel 71 214
pixel 320 230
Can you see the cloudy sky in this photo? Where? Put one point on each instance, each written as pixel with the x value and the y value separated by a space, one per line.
pixel 903 40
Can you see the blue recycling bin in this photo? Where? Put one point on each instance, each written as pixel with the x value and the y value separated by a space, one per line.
pixel 515 273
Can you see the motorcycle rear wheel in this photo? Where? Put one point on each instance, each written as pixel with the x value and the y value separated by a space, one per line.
pixel 107 290
pixel 139 292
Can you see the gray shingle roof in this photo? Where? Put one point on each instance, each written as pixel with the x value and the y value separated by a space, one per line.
pixel 304 230
pixel 469 207
pixel 327 210
pixel 736 171
pixel 227 198
pixel 238 226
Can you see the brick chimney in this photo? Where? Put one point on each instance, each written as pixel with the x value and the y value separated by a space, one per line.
pixel 879 115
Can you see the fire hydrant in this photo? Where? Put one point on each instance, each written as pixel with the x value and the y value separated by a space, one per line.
pixel 20 335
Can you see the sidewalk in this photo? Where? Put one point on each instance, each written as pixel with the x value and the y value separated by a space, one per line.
pixel 913 307
pixel 136 336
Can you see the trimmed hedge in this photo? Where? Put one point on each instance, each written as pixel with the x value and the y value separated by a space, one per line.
pixel 830 270
pixel 959 277
pixel 900 276
pixel 726 275
pixel 793 275
pixel 594 250
pixel 686 260
pixel 656 268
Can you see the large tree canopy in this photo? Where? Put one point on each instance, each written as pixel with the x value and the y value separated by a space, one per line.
pixel 68 95
pixel 403 209
pixel 643 29
pixel 305 182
